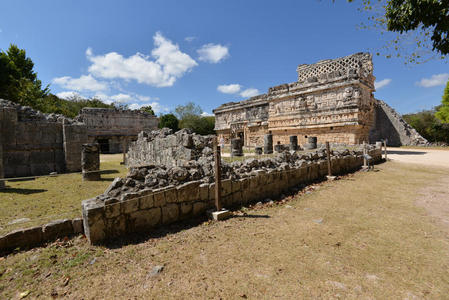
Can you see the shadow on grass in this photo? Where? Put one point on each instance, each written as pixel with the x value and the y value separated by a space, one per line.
pixel 10 190
pixel 138 238
pixel 109 172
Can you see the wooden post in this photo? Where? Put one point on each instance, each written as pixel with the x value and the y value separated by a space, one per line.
pixel 364 155
pixel 217 157
pixel 329 167
pixel 385 144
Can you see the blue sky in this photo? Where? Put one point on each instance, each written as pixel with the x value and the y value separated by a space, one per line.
pixel 167 53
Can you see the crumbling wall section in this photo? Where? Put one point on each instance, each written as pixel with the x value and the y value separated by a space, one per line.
pixel 163 148
pixel 140 202
pixel 391 126
pixel 35 143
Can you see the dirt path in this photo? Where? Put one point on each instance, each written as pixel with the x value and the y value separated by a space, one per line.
pixel 430 157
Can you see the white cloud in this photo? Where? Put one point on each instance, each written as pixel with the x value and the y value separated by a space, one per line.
pixel 84 83
pixel 249 93
pixel 190 38
pixel 229 88
pixel 169 64
pixel 382 83
pixel 121 98
pixel 68 95
pixel 213 53
pixel 206 114
pixel 156 106
pixel 434 80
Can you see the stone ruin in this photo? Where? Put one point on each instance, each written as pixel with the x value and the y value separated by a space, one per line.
pixel 332 100
pixel 34 143
pixel 171 178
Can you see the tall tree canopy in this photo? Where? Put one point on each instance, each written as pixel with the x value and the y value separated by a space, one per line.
pixel 190 117
pixel 422 27
pixel 147 109
pixel 169 121
pixel 18 81
pixel 443 110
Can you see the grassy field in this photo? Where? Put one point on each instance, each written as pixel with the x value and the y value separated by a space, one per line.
pixel 361 237
pixel 49 198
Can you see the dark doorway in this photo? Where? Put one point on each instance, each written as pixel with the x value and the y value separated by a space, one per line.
pixel 104 145
pixel 241 136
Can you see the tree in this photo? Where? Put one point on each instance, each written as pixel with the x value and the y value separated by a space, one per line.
pixel 422 23
pixel 18 81
pixel 190 117
pixel 188 110
pixel 169 121
pixel 443 110
pixel 148 109
pixel 430 127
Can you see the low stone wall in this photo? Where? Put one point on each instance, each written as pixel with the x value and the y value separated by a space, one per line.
pixel 105 217
pixel 36 236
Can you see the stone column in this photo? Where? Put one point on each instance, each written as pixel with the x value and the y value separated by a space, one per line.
pixel 90 161
pixel 268 144
pixel 293 142
pixel 236 147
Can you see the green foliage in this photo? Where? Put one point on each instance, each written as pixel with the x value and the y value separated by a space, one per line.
pixel 148 109
pixel 431 128
pixel 18 81
pixel 69 108
pixel 443 111
pixel 190 117
pixel 169 121
pixel 188 110
pixel 421 27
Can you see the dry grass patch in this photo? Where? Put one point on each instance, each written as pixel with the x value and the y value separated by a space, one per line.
pixel 360 237
pixel 39 201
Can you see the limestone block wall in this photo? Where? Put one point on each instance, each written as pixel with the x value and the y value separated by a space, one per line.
pixel 32 142
pixel 167 149
pixel 35 143
pixel 143 210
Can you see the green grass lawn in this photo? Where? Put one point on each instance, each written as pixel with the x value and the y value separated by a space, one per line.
pixel 50 198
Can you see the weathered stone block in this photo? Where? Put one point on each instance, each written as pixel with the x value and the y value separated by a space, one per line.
pixel 129 206
pixel 24 238
pixel 170 213
pixel 145 219
pixel 159 199
pixel 204 192
pixel 112 210
pixel 189 191
pixel 115 226
pixel 226 187
pixel 171 194
pixel 199 208
pixel 186 208
pixel 57 229
pixel 77 225
pixel 146 201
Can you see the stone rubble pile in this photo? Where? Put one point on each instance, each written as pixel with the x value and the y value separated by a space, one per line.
pixel 154 176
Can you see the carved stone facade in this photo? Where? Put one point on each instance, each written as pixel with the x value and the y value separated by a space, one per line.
pixel 332 100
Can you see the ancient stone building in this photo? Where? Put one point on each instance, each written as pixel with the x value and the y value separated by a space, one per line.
pixel 332 100
pixel 114 128
pixel 34 143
